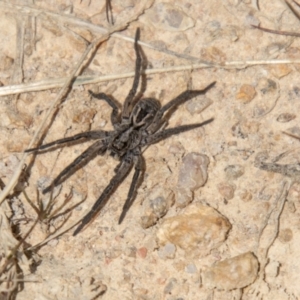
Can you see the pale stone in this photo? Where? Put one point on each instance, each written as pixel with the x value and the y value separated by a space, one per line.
pixel 168 251
pixel 198 230
pixel 285 235
pixel 156 205
pixel 246 93
pixel 192 175
pixel 232 273
pixel 199 104
pixel 234 171
pixel 280 71
pixel 226 190
pixel 285 117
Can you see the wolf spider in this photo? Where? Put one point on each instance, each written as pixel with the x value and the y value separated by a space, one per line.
pixel 140 123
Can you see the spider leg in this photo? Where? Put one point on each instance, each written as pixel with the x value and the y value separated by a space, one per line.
pixel 114 182
pixel 96 148
pixel 133 187
pixel 180 99
pixel 161 135
pixel 94 135
pixel 114 117
pixel 109 15
pixel 138 66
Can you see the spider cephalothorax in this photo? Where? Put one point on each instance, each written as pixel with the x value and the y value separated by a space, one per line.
pixel 138 125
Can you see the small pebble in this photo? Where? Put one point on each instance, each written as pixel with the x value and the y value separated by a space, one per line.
pixel 280 71
pixel 245 195
pixel 192 175
pixel 232 273
pixel 285 117
pixel 226 190
pixel 285 235
pixel 156 205
pixel 142 252
pixel 234 171
pixel 170 285
pixel 246 93
pixel 196 106
pixel 191 269
pixel 168 251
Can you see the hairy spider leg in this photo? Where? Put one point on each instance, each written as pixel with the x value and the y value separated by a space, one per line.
pixel 185 96
pixel 114 117
pixel 109 15
pixel 123 170
pixel 89 135
pixel 97 148
pixel 158 136
pixel 135 179
pixel 138 66
pixel 180 99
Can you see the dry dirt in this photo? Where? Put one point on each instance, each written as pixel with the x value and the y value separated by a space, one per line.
pixel 252 105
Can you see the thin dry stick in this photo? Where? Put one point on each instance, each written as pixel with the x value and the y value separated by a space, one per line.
pixel 90 50
pixel 282 32
pixel 279 32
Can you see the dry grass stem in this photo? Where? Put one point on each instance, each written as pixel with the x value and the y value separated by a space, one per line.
pixel 82 80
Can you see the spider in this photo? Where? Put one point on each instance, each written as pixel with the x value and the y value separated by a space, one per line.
pixel 141 123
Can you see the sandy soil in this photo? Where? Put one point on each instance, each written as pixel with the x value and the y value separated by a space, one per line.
pixel 252 105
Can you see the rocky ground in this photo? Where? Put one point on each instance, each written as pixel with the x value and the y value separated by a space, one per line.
pixel 217 213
